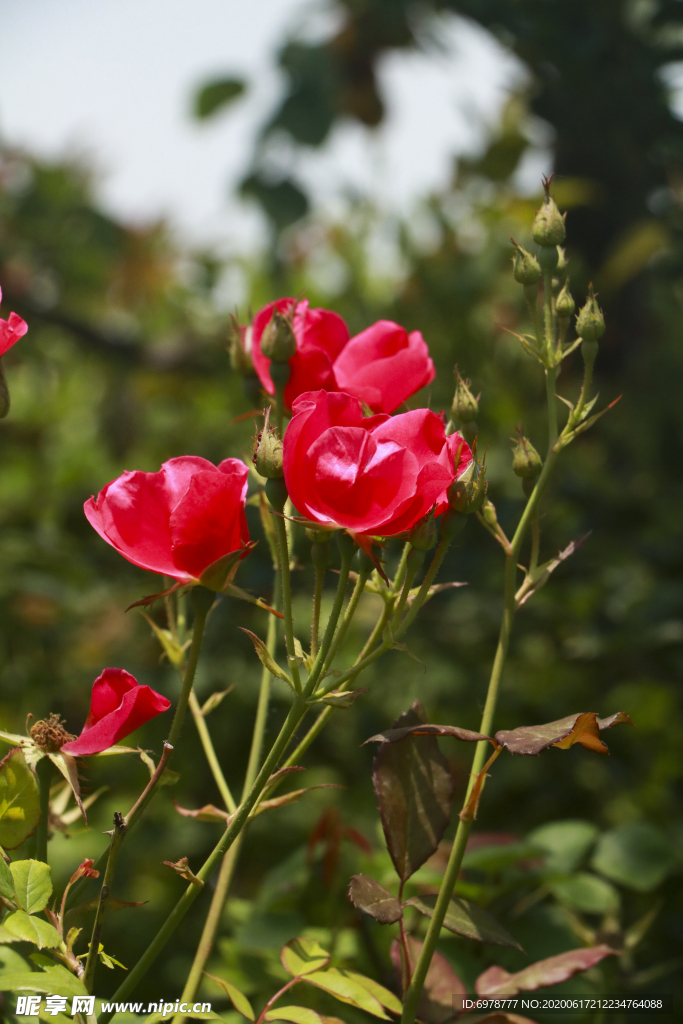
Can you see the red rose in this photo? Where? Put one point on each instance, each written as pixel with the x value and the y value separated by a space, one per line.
pixel 320 337
pixel 374 475
pixel 11 330
pixel 119 705
pixel 187 521
pixel 384 365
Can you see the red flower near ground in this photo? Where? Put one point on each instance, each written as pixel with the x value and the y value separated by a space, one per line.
pixel 11 330
pixel 320 336
pixel 186 521
pixel 376 475
pixel 119 705
pixel 384 365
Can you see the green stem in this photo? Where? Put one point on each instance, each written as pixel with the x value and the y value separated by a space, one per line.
pixel 348 615
pixel 550 385
pixel 321 658
pixel 229 865
pixel 44 773
pixel 210 752
pixel 401 568
pixel 413 564
pixel 202 599
pixel 117 837
pixel 535 543
pixel 237 823
pixel 549 321
pixel 412 996
pixel 283 558
pixel 317 600
pixel 322 718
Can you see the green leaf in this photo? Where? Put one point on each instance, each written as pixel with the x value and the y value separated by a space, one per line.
pixel 217 95
pixel 237 998
pixel 214 700
pixel 372 898
pixel 381 994
pixel 414 792
pixel 19 800
pixel 465 918
pixel 296 1014
pixel 6 883
pixel 345 988
pixel 11 961
pixel 32 884
pixel 32 929
pixel 303 956
pixel 565 843
pixel 496 857
pixel 55 981
pixel 266 658
pixel 637 855
pixel 345 699
pixel 586 892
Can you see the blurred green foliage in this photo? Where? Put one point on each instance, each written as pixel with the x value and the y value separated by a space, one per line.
pixel 125 366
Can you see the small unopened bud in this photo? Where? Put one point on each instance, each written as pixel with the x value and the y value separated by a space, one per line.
pixel 525 267
pixel 526 462
pixel 564 303
pixel 267 454
pixel 239 348
pixel 548 228
pixel 423 535
pixel 590 323
pixel 468 492
pixel 278 341
pixel 488 510
pixel 465 406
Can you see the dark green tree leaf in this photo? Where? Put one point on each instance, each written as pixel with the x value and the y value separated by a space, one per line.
pixel 372 898
pixel 637 855
pixel 414 792
pixel 465 918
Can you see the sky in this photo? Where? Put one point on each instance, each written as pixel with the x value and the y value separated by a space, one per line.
pixel 113 80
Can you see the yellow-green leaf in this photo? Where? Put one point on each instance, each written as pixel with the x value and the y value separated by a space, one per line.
pixel 381 994
pixel 295 1014
pixel 347 989
pixel 32 929
pixel 55 981
pixel 6 883
pixel 303 956
pixel 32 884
pixel 19 800
pixel 237 998
pixel 266 658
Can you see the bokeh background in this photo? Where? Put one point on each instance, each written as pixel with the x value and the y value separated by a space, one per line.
pixel 162 166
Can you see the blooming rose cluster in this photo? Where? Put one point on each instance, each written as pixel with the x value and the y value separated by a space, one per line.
pixel 382 366
pixel 372 475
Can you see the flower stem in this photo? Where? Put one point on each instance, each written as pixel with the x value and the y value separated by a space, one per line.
pixel 44 773
pixel 117 837
pixel 202 599
pixel 317 600
pixel 412 996
pixel 321 661
pixel 296 713
pixel 227 871
pixel 210 752
pixel 348 615
pixel 283 558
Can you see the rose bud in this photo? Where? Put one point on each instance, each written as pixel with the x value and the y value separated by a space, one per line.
pixel 372 475
pixel 525 267
pixel 383 366
pixel 548 229
pixel 278 342
pixel 10 332
pixel 267 455
pixel 239 347
pixel 186 521
pixel 590 323
pixel 423 535
pixel 526 462
pixel 320 335
pixel 564 303
pixel 468 491
pixel 118 706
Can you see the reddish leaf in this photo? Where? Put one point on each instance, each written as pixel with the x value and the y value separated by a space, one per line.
pixel 414 791
pixel 497 982
pixel 395 735
pixel 582 728
pixel 372 898
pixel 441 983
pixel 206 813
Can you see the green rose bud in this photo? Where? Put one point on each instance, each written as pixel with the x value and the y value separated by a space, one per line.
pixel 590 323
pixel 465 406
pixel 548 228
pixel 526 462
pixel 467 494
pixel 267 454
pixel 525 267
pixel 239 347
pixel 564 303
pixel 423 535
pixel 278 341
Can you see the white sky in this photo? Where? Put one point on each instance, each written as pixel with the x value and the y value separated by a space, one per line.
pixel 114 79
